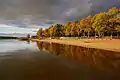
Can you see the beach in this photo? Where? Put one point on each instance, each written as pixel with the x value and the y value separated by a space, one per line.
pixel 111 45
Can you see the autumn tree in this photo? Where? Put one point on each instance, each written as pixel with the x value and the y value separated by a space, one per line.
pixel 28 36
pixel 67 28
pixel 46 33
pixel 113 11
pixel 51 31
pixel 101 22
pixel 116 24
pixel 117 21
pixel 39 33
pixel 78 29
pixel 88 25
pixel 74 27
pixel 118 30
pixel 82 26
pixel 58 30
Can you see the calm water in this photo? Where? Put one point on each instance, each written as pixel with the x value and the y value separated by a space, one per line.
pixel 16 35
pixel 48 61
pixel 13 35
pixel 12 45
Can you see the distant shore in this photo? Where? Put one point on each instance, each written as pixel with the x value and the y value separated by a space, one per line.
pixel 111 45
pixel 7 37
pixel 11 37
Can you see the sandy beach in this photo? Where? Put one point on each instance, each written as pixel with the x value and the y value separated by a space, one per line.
pixel 112 45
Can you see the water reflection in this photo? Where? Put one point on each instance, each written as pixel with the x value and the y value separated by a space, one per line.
pixel 28 41
pixel 101 59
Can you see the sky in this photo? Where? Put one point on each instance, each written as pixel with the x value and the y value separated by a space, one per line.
pixel 8 29
pixel 47 12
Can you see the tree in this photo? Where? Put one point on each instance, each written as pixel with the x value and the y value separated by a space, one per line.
pixel 74 28
pixel 118 30
pixel 100 22
pixel 117 24
pixel 62 30
pixel 40 33
pixel 67 28
pixel 46 33
pixel 78 29
pixel 51 31
pixel 112 25
pixel 113 11
pixel 82 26
pixel 28 36
pixel 58 30
pixel 88 25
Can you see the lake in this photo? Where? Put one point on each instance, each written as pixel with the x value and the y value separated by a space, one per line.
pixel 21 60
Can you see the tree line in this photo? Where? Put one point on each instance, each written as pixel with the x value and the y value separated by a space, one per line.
pixel 101 24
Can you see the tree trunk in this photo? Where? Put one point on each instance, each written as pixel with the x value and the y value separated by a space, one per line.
pixel 111 36
pixel 117 35
pixel 84 34
pixel 69 34
pixel 102 35
pixel 95 35
pixel 99 35
pixel 88 34
pixel 78 34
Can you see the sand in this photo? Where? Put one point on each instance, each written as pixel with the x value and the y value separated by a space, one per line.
pixel 112 45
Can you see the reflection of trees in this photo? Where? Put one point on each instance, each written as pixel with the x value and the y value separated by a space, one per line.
pixel 28 41
pixel 39 44
pixel 106 60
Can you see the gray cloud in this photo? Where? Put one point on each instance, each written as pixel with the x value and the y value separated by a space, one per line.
pixel 78 11
pixel 89 7
pixel 51 11
pixel 40 10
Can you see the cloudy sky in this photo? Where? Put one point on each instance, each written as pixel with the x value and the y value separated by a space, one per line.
pixel 50 11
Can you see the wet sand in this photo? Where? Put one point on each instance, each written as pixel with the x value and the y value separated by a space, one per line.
pixel 111 45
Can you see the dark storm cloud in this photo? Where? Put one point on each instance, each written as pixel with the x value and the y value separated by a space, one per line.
pixel 51 11
pixel 38 10
pixel 89 7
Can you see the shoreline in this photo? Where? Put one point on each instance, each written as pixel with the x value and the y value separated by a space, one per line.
pixel 7 37
pixel 110 45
